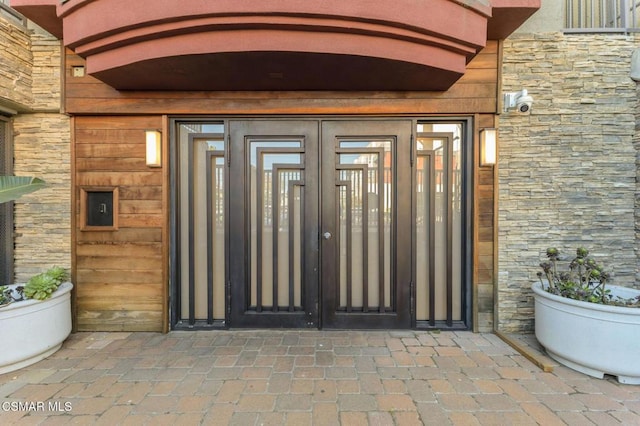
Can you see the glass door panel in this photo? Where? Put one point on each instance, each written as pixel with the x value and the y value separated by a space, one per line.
pixel 276 196
pixel 201 298
pixel 365 187
pixel 438 224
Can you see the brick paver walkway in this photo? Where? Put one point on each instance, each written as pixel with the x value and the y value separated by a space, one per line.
pixel 288 377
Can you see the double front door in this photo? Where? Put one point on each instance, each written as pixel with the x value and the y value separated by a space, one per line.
pixel 304 223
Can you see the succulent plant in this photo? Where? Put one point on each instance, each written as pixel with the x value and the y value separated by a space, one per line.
pixel 41 286
pixel 585 280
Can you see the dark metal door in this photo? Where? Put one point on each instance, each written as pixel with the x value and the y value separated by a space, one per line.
pixel 287 213
pixel 366 224
pixel 273 223
pixel 322 223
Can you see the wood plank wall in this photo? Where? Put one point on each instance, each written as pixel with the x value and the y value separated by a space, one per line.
pixel 121 276
pixel 485 238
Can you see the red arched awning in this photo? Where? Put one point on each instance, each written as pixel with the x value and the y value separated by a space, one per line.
pixel 277 44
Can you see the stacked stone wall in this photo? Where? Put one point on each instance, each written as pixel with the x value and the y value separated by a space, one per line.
pixel 47 66
pixel 43 218
pixel 30 82
pixel 636 144
pixel 16 62
pixel 567 171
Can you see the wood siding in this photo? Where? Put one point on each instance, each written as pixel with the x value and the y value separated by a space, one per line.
pixel 121 276
pixel 484 241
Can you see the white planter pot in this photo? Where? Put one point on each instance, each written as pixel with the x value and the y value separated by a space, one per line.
pixel 588 337
pixel 31 330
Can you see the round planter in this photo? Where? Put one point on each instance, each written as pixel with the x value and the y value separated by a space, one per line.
pixel 31 330
pixel 588 337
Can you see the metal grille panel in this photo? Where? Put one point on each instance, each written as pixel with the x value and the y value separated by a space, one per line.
pixel 6 209
pixel 277 196
pixel 602 15
pixel 365 213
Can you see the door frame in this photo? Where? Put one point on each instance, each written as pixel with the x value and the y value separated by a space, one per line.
pixel 468 209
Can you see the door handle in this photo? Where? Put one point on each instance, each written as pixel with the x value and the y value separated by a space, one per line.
pixel 327 235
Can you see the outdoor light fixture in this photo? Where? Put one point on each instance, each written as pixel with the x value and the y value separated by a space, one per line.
pixel 154 148
pixel 488 147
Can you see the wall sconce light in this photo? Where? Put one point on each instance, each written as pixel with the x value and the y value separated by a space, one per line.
pixel 488 147
pixel 154 148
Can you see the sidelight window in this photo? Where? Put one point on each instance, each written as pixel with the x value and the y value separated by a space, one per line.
pixel 438 222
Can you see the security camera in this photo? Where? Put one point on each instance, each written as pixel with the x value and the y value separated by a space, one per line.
pixel 518 101
pixel 524 102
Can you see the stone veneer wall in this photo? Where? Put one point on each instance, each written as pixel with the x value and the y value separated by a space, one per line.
pixel 567 172
pixel 15 63
pixel 43 218
pixel 30 82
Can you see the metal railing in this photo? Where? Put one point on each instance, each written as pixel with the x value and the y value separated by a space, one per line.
pixel 602 15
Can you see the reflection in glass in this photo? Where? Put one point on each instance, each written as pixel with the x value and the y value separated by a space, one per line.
pixel 438 222
pixel 366 191
pixel 276 198
pixel 202 231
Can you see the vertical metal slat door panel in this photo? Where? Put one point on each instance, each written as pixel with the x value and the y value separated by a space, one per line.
pixel 273 220
pixel 366 221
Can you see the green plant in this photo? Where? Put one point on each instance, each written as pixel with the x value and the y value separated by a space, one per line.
pixel 41 286
pixel 585 279
pixel 13 187
pixel 5 295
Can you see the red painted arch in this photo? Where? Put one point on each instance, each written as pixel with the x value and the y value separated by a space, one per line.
pixel 274 44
